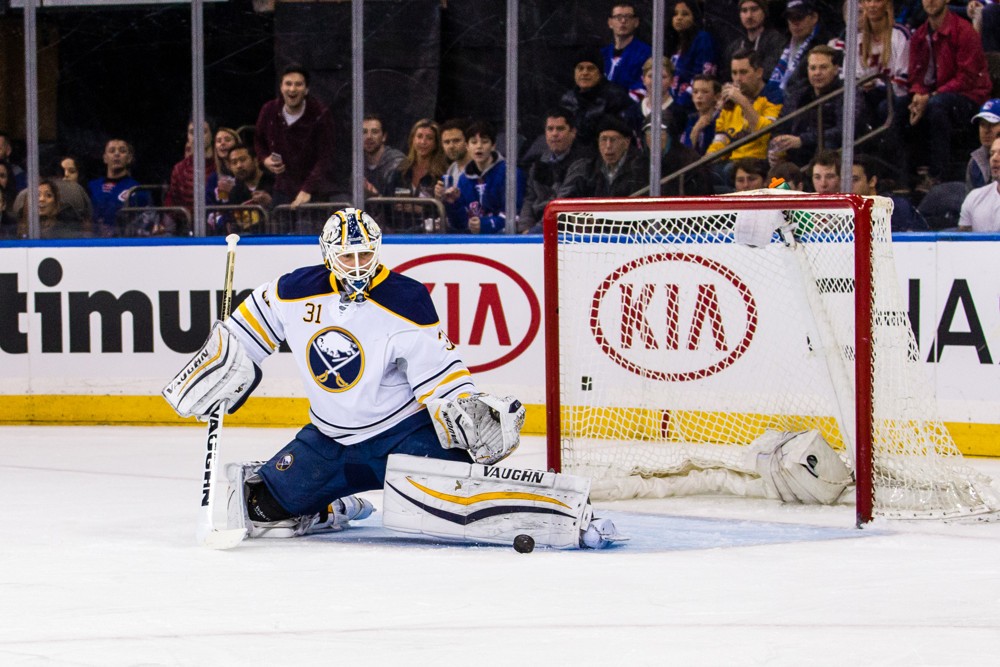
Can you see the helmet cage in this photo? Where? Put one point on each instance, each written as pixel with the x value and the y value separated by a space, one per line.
pixel 350 243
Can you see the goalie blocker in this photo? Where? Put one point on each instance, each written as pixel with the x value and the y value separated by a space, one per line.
pixel 482 503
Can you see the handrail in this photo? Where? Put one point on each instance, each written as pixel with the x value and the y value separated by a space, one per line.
pixel 263 222
pixel 730 147
pixel 174 210
pixel 439 223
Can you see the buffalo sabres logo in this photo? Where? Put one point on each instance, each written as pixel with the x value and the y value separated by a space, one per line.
pixel 336 359
pixel 285 462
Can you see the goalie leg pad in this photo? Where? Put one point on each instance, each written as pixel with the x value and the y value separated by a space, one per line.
pixel 488 426
pixel 480 503
pixel 220 371
pixel 803 468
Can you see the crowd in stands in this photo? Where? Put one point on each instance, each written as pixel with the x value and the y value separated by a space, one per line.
pixel 927 96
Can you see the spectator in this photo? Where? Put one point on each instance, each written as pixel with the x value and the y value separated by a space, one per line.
pixel 674 157
pixel 547 177
pixel 747 107
pixel 695 52
pixel 380 160
pixel 619 169
pixel 71 192
pixel 55 221
pixel 802 140
pixel 225 140
pixel 749 174
pixel 417 175
pixel 623 58
pixel 424 164
pixel 6 149
pixel 220 182
pixel 948 82
pixel 977 173
pixel 180 192
pixel 593 96
pixel 981 208
pixel 786 173
pixel 671 115
pixel 699 132
pixel 482 201
pixel 985 17
pixel 109 193
pixel 7 185
pixel 826 173
pixel 757 36
pixel 864 181
pixel 252 186
pixel 791 75
pixel 295 135
pixel 884 48
pixel 8 224
pixel 69 166
pixel 456 151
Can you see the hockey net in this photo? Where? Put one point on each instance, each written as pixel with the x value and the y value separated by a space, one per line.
pixel 686 328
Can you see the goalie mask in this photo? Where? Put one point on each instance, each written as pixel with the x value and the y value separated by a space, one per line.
pixel 350 243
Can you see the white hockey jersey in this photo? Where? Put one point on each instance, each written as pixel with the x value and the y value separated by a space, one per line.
pixel 365 366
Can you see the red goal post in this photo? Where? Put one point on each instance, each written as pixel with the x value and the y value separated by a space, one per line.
pixel 817 311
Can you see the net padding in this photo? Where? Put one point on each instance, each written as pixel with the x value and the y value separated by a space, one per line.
pixel 679 346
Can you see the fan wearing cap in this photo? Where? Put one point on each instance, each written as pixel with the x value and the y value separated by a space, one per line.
pixel 593 96
pixel 617 171
pixel 977 173
pixel 981 208
pixel 791 74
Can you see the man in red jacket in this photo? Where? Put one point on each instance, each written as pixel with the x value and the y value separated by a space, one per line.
pixel 949 80
pixel 294 140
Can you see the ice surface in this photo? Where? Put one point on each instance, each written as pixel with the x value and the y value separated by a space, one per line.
pixel 99 567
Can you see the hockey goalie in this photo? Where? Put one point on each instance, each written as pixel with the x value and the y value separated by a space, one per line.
pixel 386 388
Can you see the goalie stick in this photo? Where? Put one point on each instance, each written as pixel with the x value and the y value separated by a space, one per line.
pixel 207 534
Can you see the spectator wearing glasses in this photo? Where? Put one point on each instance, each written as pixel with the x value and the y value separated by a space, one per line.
pixel 623 58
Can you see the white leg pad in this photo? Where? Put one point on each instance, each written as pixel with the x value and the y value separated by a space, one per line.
pixel 481 503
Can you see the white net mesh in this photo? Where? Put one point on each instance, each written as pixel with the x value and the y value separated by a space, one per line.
pixel 679 346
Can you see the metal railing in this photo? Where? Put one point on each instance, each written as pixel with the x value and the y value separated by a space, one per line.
pixel 395 215
pixel 784 120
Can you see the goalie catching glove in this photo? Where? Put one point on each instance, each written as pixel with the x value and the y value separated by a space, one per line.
pixel 488 426
pixel 220 371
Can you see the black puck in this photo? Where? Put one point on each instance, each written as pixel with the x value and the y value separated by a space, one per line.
pixel 524 544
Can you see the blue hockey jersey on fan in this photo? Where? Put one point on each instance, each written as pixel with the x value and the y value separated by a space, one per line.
pixel 367 364
pixel 484 195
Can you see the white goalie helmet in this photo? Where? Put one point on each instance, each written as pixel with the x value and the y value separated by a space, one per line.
pixel 350 243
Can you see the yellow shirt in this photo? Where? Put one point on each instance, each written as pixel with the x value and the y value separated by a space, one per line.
pixel 731 125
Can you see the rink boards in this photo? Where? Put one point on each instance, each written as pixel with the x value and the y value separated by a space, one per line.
pixel 91 330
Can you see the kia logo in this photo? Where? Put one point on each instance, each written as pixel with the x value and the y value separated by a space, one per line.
pixel 674 317
pixel 490 309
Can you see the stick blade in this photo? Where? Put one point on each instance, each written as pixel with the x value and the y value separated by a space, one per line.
pixel 222 539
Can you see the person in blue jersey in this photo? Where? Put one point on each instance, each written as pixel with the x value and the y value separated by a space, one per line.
pixel 380 375
pixel 111 192
pixel 482 188
pixel 623 58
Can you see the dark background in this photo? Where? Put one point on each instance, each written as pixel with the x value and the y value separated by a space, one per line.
pixel 126 71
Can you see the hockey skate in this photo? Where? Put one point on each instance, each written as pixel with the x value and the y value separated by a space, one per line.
pixel 334 518
pixel 599 534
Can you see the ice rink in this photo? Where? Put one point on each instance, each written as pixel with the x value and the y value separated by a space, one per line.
pixel 100 567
